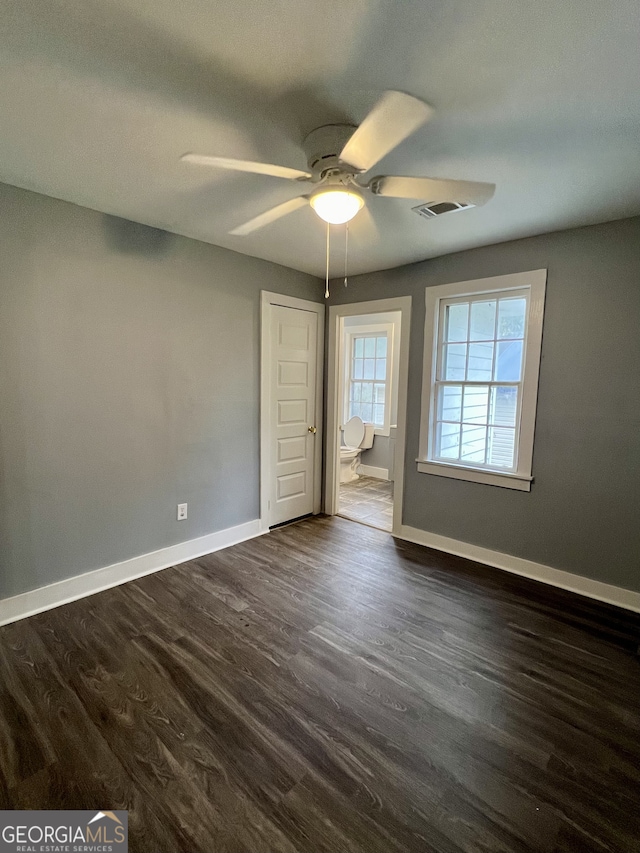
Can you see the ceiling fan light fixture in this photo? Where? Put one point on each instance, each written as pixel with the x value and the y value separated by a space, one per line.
pixel 336 206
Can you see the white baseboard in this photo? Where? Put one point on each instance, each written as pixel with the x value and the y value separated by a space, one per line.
pixel 62 592
pixel 608 593
pixel 372 471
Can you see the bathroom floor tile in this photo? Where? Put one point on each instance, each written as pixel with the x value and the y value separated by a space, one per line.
pixel 369 501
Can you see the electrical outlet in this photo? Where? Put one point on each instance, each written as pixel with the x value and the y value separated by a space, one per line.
pixel 182 512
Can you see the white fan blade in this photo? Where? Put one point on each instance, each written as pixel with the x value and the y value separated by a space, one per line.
pixel 246 166
pixel 392 120
pixel 432 189
pixel 270 216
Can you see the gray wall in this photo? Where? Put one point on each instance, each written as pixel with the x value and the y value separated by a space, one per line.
pixel 129 382
pixel 583 512
pixel 378 455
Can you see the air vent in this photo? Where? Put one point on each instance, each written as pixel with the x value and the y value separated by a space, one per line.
pixel 431 209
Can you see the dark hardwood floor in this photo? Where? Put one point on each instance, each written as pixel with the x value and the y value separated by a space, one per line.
pixel 325 688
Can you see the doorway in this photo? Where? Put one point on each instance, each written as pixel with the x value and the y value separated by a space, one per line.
pixel 367 392
pixel 290 408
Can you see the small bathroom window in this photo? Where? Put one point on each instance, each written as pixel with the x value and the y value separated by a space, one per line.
pixel 368 378
pixel 369 364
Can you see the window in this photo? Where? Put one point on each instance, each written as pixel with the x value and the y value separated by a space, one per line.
pixel 368 374
pixel 368 378
pixel 482 354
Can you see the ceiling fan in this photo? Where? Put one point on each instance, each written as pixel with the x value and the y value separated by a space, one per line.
pixel 337 154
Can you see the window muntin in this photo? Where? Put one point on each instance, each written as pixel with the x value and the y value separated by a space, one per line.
pixel 368 378
pixel 478 380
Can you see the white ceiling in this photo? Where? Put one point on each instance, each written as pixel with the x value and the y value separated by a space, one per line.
pixel 99 99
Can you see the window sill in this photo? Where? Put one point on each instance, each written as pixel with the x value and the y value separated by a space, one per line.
pixel 508 481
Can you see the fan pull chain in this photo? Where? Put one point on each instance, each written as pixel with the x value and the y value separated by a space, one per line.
pixel 346 252
pixel 326 286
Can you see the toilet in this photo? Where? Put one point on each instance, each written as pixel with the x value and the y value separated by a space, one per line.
pixel 358 436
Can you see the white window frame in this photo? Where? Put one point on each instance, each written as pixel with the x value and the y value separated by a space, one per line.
pixel 369 331
pixel 534 283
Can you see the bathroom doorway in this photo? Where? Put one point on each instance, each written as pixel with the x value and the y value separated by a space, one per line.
pixel 367 381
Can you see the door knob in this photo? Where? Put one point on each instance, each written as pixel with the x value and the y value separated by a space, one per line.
pixel 312 430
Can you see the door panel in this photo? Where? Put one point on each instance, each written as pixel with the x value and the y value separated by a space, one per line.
pixel 292 449
pixel 293 373
pixel 291 411
pixel 293 402
pixel 292 486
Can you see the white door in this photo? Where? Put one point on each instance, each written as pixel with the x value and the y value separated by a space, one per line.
pixel 293 412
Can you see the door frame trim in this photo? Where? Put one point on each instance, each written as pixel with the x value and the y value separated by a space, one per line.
pixel 332 474
pixel 267 299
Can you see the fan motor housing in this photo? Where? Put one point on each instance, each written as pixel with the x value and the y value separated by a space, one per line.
pixel 323 146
